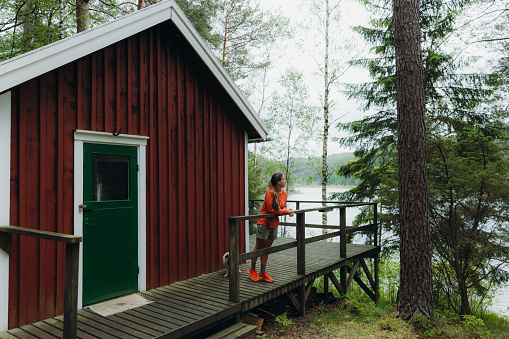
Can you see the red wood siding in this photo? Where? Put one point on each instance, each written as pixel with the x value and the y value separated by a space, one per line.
pixel 151 84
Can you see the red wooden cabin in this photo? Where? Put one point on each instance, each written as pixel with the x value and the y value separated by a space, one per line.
pixel 132 135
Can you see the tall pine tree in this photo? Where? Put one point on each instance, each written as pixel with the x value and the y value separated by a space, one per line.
pixel 456 102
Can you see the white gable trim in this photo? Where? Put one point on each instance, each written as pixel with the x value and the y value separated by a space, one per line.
pixel 35 63
pixel 81 137
pixel 5 201
pixel 246 190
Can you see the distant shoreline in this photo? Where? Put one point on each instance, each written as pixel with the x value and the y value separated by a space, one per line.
pixel 328 186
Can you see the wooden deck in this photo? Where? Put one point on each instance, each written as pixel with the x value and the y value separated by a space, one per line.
pixel 186 308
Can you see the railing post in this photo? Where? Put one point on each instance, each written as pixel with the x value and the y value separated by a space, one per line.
pixel 301 246
pixel 71 290
pixel 326 288
pixel 342 232
pixel 234 290
pixel 375 242
pixel 342 246
pixel 375 223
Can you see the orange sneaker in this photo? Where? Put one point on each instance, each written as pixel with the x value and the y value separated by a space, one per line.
pixel 253 275
pixel 265 276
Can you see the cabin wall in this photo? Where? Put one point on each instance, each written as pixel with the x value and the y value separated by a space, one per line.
pixel 151 84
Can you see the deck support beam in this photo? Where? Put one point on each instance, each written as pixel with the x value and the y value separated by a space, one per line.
pixel 343 288
pixel 363 286
pixel 336 282
pixel 303 292
pixel 352 274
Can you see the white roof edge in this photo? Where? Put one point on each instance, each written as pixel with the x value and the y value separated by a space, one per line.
pixel 37 62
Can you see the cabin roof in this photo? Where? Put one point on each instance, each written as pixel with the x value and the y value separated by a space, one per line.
pixel 32 64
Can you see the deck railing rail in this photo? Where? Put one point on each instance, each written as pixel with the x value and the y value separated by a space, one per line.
pixel 72 247
pixel 236 258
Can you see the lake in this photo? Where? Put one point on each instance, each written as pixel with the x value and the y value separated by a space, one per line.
pixel 501 300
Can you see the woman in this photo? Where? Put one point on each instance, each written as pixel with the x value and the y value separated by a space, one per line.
pixel 266 230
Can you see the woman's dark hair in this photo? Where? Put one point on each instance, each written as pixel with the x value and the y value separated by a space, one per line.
pixel 276 177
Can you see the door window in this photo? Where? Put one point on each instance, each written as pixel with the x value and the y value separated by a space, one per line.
pixel 111 177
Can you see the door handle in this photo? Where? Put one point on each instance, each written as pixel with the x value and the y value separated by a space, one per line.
pixel 84 207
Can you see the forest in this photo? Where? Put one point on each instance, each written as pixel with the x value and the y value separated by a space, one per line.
pixel 421 128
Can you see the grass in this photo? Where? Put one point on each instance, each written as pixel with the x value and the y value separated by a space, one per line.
pixel 349 318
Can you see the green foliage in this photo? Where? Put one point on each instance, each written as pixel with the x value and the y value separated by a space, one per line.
pixel 30 24
pixel 469 195
pixel 305 171
pixel 468 218
pixel 245 31
pixel 291 122
pixel 202 13
pixel 422 323
pixel 257 183
pixel 354 307
pixel 282 319
pixel 474 325
pixel 389 324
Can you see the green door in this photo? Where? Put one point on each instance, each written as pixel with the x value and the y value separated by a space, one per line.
pixel 110 222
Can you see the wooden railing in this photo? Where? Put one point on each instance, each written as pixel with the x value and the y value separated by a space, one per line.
pixel 300 242
pixel 72 246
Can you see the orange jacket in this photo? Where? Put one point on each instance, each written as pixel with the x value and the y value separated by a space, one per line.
pixel 268 209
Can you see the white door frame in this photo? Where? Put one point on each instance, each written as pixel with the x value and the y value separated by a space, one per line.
pixel 81 137
pixel 5 202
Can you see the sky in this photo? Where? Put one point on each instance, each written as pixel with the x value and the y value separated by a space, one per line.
pixel 293 53
pixel 298 53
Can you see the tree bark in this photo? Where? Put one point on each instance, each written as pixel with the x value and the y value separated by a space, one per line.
pixel 82 20
pixel 61 19
pixel 30 21
pixel 141 4
pixel 415 295
pixel 325 115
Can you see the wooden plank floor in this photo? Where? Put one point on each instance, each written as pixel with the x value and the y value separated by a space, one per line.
pixel 188 307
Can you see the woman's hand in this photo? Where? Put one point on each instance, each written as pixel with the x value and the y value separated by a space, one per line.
pixel 290 212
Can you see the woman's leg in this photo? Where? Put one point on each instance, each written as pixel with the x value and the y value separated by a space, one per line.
pixel 260 243
pixel 265 258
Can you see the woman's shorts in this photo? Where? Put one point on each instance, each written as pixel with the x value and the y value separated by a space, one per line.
pixel 264 232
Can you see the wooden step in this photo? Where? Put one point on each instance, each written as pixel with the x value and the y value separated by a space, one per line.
pixel 239 331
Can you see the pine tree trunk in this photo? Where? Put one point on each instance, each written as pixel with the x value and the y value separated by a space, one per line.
pixel 416 296
pixel 465 304
pixel 82 15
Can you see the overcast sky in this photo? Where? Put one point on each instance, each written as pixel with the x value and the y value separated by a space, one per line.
pixel 301 52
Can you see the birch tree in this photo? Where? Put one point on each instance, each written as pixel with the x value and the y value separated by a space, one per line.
pixel 291 121
pixel 331 62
